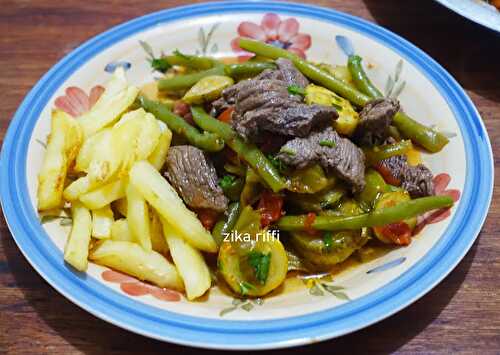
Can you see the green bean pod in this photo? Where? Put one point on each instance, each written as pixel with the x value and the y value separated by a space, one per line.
pixel 424 136
pixel 381 217
pixel 226 224
pixel 252 155
pixel 247 69
pixel 191 61
pixel 361 80
pixel 184 82
pixel 206 141
pixel 378 153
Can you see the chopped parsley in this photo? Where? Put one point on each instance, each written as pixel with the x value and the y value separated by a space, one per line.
pixel 296 90
pixel 160 64
pixel 226 181
pixel 328 240
pixel 278 164
pixel 327 143
pixel 260 263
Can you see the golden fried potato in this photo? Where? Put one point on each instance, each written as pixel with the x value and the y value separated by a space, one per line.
pixel 63 144
pixel 138 217
pixel 131 259
pixel 189 262
pixel 162 196
pixel 102 220
pixel 76 250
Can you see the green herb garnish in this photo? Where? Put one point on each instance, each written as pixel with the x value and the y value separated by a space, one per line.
pixel 277 163
pixel 180 54
pixel 260 263
pixel 227 181
pixel 160 64
pixel 328 240
pixel 296 90
pixel 327 143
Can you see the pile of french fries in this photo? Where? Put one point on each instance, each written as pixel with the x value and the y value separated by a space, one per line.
pixel 125 215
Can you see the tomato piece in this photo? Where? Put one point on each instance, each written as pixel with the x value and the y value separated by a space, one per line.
pixel 226 115
pixel 207 217
pixel 270 207
pixel 399 232
pixel 183 109
pixel 387 175
pixel 308 228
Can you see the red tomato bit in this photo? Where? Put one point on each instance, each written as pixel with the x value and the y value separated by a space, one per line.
pixel 270 207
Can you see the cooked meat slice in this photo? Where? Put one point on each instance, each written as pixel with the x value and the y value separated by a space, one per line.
pixel 331 151
pixel 417 180
pixel 266 106
pixel 193 175
pixel 375 117
pixel 286 74
pixel 290 74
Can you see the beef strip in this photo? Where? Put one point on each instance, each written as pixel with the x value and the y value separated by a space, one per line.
pixel 266 106
pixel 375 118
pixel 331 151
pixel 290 74
pixel 193 175
pixel 417 180
pixel 286 73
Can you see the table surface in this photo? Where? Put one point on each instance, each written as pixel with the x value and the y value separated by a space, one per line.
pixel 462 314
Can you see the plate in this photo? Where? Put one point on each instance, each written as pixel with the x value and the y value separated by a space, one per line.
pixel 308 311
pixel 475 10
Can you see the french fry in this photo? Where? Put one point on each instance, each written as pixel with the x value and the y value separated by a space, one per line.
pixel 189 262
pixel 104 195
pixel 162 196
pixel 158 241
pixel 138 217
pixel 89 148
pixel 120 231
pixel 77 246
pixel 120 206
pixel 159 155
pixel 115 100
pixel 63 143
pixel 131 259
pixel 102 220
pixel 77 188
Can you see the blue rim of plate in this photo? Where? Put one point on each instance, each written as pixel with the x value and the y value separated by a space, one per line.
pixel 150 321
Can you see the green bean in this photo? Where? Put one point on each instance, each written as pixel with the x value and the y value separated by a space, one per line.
pixel 314 73
pixel 191 61
pixel 252 155
pixel 380 217
pixel 247 69
pixel 375 185
pixel 426 137
pixel 378 153
pixel 232 187
pixel 206 141
pixel 183 82
pixel 360 78
pixel 226 225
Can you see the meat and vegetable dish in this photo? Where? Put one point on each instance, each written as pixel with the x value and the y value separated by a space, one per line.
pixel 221 172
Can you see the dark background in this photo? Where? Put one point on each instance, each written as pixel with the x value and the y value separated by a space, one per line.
pixel 462 314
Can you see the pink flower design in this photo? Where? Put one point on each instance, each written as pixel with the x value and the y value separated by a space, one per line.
pixel 76 102
pixel 272 30
pixel 133 287
pixel 441 182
